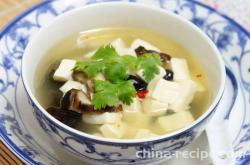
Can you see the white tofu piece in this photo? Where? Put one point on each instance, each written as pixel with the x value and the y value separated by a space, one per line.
pixel 70 84
pixel 139 42
pixel 154 107
pixel 113 130
pixel 151 86
pixel 65 70
pixel 175 121
pixel 187 90
pixel 118 44
pixel 121 48
pixel 126 51
pixel 140 73
pixel 165 91
pixel 102 118
pixel 132 112
pixel 161 74
pixel 180 69
pixel 144 133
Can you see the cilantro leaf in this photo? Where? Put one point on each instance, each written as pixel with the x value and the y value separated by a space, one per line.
pixel 115 72
pixel 106 53
pixel 93 68
pixel 105 94
pixel 101 85
pixel 149 63
pixel 80 65
pixel 130 62
pixel 126 92
pixel 109 94
pixel 103 99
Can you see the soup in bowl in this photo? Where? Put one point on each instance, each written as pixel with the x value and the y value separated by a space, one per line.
pixel 107 89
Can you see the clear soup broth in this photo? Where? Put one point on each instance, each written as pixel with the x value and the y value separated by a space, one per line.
pixel 77 45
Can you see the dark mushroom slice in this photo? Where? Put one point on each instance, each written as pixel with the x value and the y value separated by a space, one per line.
pixel 80 77
pixel 166 58
pixel 90 109
pixel 73 100
pixel 69 118
pixel 141 51
pixel 77 101
pixel 90 88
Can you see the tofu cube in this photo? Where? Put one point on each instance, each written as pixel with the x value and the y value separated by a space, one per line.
pixel 113 130
pixel 161 74
pixel 154 107
pixel 70 84
pixel 180 69
pixel 126 51
pixel 165 91
pixel 139 42
pixel 121 49
pixel 118 44
pixel 185 97
pixel 102 118
pixel 151 86
pixel 65 70
pixel 175 121
pixel 132 112
pixel 144 133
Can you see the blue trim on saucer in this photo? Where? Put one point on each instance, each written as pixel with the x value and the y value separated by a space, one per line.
pixel 16 150
pixel 222 15
pixel 236 88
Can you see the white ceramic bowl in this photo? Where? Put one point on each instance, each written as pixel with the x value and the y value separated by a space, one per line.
pixel 103 150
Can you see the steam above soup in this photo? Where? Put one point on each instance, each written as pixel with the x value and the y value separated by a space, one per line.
pixel 117 83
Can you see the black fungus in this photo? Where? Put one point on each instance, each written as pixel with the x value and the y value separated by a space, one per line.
pixel 169 75
pixel 69 118
pixel 138 82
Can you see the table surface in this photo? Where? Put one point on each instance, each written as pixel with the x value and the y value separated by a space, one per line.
pixel 11 8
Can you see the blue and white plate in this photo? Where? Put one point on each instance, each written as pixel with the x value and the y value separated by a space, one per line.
pixel 20 132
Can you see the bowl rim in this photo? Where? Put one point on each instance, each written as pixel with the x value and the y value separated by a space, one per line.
pixel 102 140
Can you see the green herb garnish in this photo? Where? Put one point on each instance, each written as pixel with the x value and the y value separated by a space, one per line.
pixel 115 72
pixel 91 68
pixel 109 94
pixel 149 63
pixel 115 69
